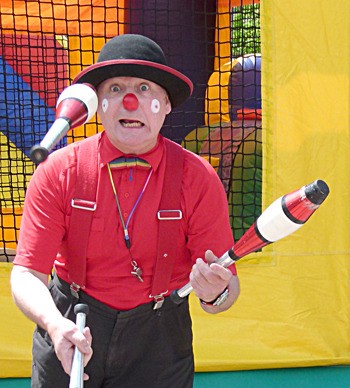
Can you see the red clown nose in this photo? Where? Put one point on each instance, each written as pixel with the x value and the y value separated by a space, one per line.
pixel 130 102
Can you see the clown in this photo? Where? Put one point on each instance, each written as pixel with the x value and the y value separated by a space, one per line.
pixel 134 337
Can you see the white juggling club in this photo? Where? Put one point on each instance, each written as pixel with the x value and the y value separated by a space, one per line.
pixel 75 106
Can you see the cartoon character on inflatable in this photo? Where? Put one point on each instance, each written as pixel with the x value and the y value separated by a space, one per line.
pixel 231 138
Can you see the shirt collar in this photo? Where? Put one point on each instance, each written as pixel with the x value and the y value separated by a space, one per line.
pixel 108 152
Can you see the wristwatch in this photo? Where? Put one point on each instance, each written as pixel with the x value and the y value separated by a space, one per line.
pixel 219 300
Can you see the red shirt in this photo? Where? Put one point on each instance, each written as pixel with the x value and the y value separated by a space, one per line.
pixel 42 244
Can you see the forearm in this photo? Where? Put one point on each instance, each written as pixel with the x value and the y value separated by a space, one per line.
pixel 31 295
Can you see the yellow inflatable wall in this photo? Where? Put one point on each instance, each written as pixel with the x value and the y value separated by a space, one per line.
pixel 294 305
pixel 294 308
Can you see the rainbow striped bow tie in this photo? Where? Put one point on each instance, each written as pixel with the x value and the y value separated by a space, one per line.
pixel 124 162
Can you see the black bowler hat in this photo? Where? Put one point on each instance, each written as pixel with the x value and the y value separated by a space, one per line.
pixel 132 55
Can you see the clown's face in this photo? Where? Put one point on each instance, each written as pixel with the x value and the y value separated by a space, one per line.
pixel 132 112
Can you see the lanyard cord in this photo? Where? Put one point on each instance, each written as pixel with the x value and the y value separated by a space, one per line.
pixel 125 225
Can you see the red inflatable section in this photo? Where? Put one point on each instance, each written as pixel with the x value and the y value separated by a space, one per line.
pixel 36 58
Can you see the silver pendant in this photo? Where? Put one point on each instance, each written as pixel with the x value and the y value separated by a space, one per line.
pixel 137 271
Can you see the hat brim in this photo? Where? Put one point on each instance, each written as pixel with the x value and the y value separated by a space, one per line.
pixel 177 85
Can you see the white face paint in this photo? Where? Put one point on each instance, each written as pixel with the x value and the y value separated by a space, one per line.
pixel 155 106
pixel 104 105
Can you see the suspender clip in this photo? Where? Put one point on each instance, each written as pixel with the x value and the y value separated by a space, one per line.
pixel 169 215
pixel 83 204
pixel 158 300
pixel 74 290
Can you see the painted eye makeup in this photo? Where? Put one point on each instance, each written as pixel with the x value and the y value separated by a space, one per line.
pixel 155 106
pixel 104 105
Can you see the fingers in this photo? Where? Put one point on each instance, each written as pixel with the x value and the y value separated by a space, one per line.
pixel 213 275
pixel 209 271
pixel 89 353
pixel 82 340
pixel 65 338
pixel 209 279
pixel 87 334
pixel 84 346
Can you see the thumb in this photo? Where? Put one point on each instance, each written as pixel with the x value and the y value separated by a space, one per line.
pixel 210 257
pixel 81 341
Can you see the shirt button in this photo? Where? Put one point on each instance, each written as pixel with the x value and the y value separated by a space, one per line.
pixel 126 195
pixel 125 214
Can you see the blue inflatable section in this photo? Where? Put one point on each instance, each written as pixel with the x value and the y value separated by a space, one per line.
pixel 24 116
pixel 245 84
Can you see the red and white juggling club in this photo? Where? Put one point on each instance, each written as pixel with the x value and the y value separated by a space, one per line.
pixel 75 106
pixel 283 217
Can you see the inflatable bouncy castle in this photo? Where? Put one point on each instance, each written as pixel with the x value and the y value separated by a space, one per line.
pixel 270 112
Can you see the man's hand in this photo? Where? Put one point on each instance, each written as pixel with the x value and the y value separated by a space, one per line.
pixel 209 280
pixel 31 295
pixel 65 335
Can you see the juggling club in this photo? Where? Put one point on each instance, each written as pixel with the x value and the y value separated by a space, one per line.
pixel 75 106
pixel 283 217
pixel 77 372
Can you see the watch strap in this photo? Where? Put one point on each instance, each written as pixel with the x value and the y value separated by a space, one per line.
pixel 218 300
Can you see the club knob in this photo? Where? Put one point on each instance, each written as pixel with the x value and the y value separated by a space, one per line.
pixel 317 191
pixel 81 308
pixel 38 154
pixel 176 298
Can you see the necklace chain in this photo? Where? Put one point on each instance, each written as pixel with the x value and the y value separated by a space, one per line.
pixel 137 272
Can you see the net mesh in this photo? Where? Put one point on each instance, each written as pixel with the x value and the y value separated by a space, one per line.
pixel 44 44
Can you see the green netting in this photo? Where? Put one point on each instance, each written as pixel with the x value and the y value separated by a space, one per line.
pixel 44 44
